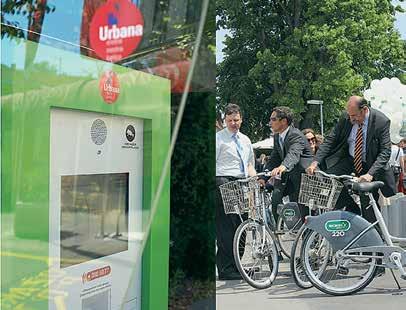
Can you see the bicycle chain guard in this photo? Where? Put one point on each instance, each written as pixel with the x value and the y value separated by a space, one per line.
pixel 341 227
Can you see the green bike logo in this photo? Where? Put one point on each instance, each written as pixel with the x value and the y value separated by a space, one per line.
pixel 289 213
pixel 337 225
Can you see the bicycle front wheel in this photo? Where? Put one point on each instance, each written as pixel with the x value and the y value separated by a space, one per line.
pixel 256 254
pixel 334 272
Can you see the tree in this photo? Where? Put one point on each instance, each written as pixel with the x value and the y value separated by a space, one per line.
pixel 285 52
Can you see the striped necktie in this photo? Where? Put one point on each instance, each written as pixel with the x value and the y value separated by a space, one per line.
pixel 358 150
pixel 239 151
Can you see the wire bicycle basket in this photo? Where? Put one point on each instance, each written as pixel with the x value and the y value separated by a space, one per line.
pixel 240 196
pixel 318 191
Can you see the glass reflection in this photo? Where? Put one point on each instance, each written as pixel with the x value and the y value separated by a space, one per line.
pixel 33 75
pixel 94 216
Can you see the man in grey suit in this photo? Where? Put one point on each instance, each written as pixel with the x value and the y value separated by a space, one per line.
pixel 290 156
pixel 359 143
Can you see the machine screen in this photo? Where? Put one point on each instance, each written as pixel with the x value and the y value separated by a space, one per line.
pixel 94 216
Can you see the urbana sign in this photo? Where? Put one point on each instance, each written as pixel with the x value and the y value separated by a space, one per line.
pixel 116 30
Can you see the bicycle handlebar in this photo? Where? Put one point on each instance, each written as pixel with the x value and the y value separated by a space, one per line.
pixel 344 177
pixel 338 177
pixel 267 174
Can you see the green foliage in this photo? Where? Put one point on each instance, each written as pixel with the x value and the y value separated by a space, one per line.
pixel 184 293
pixel 288 52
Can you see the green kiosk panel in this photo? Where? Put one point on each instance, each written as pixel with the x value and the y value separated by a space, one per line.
pixel 81 159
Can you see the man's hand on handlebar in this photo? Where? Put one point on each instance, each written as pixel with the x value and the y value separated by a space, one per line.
pixel 278 170
pixel 312 168
pixel 365 178
pixel 261 182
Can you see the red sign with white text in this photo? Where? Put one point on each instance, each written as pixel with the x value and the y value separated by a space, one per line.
pixel 109 87
pixel 95 274
pixel 116 30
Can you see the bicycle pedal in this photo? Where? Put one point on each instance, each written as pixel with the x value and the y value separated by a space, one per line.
pixel 396 258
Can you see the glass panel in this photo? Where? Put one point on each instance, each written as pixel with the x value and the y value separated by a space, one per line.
pixel 57 245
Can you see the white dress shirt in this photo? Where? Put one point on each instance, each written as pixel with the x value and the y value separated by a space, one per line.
pixel 282 136
pixel 396 157
pixel 228 161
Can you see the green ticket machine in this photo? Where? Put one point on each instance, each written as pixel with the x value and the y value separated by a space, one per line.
pixel 83 144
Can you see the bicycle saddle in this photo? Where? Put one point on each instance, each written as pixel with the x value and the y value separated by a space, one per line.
pixel 365 187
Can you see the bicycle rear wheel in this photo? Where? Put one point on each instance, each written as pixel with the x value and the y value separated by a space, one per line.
pixel 255 254
pixel 341 275
pixel 296 263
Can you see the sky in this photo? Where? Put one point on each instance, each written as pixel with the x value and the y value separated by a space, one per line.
pixel 220 36
pixel 400 24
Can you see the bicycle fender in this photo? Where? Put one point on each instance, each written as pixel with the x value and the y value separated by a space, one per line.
pixel 341 227
pixel 291 215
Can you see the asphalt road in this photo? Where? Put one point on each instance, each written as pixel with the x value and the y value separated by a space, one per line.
pixel 381 294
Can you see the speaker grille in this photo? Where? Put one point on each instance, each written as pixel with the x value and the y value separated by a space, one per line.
pixel 98 132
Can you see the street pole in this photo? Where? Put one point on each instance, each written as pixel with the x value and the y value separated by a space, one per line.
pixel 320 103
pixel 321 119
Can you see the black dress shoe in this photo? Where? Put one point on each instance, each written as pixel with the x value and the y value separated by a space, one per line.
pixel 230 276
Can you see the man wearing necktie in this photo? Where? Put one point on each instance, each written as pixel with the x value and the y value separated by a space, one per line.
pixel 290 156
pixel 234 160
pixel 360 144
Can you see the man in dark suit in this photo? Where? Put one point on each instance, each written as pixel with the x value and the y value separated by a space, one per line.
pixel 290 156
pixel 359 143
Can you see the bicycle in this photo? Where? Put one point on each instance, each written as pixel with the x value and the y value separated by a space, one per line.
pixel 238 198
pixel 287 226
pixel 352 247
pixel 319 194
pixel 288 223
pixel 254 245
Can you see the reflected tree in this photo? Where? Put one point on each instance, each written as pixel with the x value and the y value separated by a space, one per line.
pixel 34 12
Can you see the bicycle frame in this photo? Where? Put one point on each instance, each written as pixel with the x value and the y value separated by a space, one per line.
pixel 261 202
pixel 393 257
pixel 260 206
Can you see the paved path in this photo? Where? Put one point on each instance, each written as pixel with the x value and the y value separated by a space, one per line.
pixel 381 294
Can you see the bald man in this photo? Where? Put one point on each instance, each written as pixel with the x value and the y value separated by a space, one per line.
pixel 359 143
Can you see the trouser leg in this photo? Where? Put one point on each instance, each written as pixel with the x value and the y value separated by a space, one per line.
pixel 294 189
pixel 346 166
pixel 347 202
pixel 277 196
pixel 226 225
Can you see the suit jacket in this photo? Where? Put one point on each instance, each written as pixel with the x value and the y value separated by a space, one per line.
pixel 259 167
pixel 335 149
pixel 296 153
